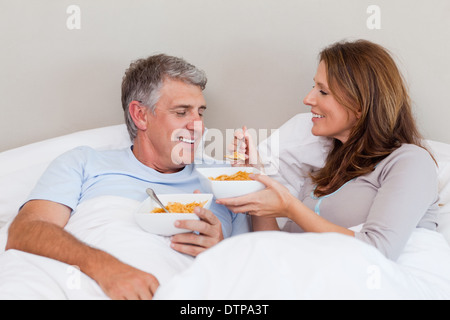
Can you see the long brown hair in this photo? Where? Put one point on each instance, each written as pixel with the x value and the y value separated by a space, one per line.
pixel 362 76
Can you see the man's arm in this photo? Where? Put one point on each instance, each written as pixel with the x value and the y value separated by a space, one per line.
pixel 39 229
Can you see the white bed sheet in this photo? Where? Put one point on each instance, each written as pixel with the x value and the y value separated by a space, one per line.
pixel 106 223
pixel 278 265
pixel 261 265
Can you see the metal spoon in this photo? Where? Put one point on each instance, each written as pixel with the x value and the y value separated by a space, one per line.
pixel 152 195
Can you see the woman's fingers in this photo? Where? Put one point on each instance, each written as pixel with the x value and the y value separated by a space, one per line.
pixel 270 202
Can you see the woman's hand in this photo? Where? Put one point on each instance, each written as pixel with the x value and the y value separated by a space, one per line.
pixel 274 201
pixel 243 145
pixel 277 201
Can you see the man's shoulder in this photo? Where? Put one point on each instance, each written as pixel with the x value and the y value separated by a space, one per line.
pixel 82 155
pixel 87 151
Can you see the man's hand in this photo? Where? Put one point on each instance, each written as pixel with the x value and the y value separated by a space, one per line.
pixel 123 282
pixel 209 231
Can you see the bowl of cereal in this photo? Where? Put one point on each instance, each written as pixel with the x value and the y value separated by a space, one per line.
pixel 229 182
pixel 153 219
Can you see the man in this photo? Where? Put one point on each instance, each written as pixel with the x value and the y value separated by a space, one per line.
pixel 163 106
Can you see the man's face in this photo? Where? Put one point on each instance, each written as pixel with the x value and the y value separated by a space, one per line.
pixel 176 128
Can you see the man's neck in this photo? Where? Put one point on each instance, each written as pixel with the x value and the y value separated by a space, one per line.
pixel 145 153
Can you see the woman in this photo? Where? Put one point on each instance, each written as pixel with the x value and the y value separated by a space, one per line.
pixel 377 173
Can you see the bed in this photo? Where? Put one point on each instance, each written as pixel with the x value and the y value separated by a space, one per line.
pixel 260 265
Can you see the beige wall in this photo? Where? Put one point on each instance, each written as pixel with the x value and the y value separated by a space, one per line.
pixel 260 56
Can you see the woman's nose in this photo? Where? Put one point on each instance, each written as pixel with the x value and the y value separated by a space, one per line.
pixel 309 99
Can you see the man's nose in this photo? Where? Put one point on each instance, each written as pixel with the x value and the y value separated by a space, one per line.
pixel 195 125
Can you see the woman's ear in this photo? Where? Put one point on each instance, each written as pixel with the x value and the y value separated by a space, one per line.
pixel 139 114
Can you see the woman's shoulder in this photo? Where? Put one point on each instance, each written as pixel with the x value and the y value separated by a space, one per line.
pixel 408 151
pixel 409 158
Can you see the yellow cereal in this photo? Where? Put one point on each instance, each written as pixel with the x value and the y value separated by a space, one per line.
pixel 176 207
pixel 238 176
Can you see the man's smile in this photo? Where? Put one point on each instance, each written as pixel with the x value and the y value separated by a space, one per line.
pixel 186 140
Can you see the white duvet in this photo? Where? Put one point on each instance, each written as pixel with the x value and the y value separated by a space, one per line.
pixel 106 223
pixel 263 265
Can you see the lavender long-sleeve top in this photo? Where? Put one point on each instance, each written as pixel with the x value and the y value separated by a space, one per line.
pixel 401 194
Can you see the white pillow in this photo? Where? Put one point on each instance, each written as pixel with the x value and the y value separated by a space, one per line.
pixel 292 152
pixel 20 168
pixel 441 152
pixel 444 226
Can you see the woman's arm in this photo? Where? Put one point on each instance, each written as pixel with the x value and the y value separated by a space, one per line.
pixel 408 188
pixel 309 221
pixel 277 201
pixel 264 224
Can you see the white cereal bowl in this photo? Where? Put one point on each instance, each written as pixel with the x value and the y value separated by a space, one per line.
pixel 228 189
pixel 163 223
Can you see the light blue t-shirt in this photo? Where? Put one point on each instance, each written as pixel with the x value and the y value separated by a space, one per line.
pixel 84 173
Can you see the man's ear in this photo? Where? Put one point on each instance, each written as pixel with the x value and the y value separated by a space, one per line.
pixel 139 114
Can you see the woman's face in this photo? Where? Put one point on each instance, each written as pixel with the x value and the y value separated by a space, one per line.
pixel 330 119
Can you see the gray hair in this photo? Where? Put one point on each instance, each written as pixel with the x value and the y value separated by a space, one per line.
pixel 144 78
